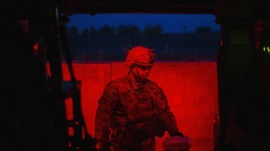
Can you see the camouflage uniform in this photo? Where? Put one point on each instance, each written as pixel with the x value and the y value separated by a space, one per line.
pixel 129 116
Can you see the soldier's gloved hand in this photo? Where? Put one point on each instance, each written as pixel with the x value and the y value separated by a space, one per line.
pixel 176 134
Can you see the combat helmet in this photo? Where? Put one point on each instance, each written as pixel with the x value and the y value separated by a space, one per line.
pixel 140 55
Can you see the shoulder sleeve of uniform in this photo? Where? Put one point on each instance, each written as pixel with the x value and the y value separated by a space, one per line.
pixel 157 90
pixel 113 90
pixel 153 85
pixel 109 93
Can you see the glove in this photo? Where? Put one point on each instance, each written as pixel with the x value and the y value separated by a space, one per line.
pixel 176 134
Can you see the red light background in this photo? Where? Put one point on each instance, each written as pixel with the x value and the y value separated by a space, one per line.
pixel 190 87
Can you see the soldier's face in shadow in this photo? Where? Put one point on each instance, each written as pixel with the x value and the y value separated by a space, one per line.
pixel 141 72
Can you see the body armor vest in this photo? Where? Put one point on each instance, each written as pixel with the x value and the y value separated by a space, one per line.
pixel 137 116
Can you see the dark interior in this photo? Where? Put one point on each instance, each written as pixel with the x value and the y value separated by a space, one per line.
pixel 243 69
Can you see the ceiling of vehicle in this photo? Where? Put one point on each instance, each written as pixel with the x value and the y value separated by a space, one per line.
pixel 125 6
pixel 26 8
pixel 255 8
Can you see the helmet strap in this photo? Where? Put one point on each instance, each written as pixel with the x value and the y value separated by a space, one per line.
pixel 137 75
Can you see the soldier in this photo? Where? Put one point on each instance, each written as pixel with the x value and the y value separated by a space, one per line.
pixel 133 110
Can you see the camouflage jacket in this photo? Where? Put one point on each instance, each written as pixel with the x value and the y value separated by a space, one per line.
pixel 123 105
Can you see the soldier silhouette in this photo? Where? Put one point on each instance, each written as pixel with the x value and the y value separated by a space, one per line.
pixel 133 110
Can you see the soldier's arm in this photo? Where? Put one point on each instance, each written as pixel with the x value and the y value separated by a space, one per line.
pixel 167 115
pixel 103 117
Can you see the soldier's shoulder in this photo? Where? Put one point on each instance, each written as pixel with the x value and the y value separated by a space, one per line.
pixel 153 85
pixel 151 82
pixel 118 83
